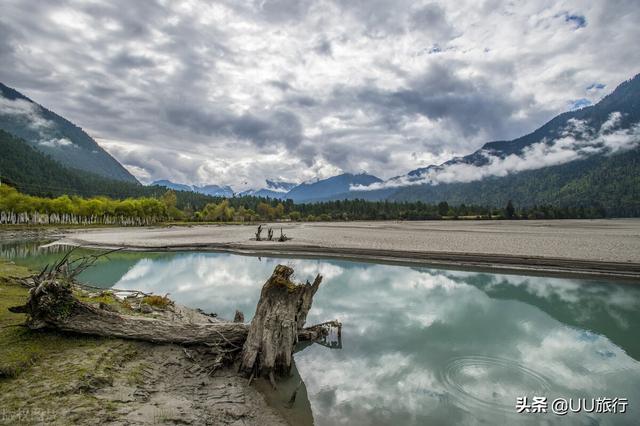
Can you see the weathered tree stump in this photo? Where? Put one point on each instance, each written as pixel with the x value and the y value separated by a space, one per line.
pixel 280 314
pixel 259 233
pixel 277 326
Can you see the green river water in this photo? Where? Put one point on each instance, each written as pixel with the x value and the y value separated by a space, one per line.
pixel 421 345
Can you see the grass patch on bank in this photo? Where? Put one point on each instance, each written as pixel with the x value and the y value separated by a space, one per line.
pixel 20 347
pixel 106 300
pixel 104 297
pixel 49 377
pixel 10 269
pixel 156 301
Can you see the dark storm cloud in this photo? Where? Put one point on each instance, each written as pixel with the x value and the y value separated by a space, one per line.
pixel 284 10
pixel 271 128
pixel 137 19
pixel 6 46
pixel 302 101
pixel 432 19
pixel 282 85
pixel 379 18
pixel 275 11
pixel 276 127
pixel 324 48
pixel 438 94
pixel 127 60
pixel 237 91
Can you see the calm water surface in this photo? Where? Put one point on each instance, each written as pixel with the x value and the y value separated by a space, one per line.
pixel 420 345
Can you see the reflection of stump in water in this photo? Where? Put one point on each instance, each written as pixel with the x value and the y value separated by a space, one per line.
pixel 290 398
pixel 297 410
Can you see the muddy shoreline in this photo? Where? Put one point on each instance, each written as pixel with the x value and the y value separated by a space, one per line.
pixel 87 380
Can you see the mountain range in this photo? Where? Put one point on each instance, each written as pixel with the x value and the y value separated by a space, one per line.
pixel 212 190
pixel 582 157
pixel 306 192
pixel 585 157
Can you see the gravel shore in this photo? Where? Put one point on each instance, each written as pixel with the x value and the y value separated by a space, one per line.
pixel 579 247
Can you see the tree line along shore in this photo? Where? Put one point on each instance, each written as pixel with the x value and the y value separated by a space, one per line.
pixel 17 208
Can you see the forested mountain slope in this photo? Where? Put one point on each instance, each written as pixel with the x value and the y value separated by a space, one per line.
pixel 55 136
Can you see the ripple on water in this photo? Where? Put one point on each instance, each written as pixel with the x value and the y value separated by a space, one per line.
pixel 491 384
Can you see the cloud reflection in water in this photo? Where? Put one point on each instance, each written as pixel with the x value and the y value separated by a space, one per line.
pixel 431 346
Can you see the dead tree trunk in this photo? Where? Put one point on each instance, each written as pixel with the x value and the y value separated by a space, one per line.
pixel 280 314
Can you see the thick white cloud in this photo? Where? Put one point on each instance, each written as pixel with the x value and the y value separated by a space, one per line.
pixel 56 142
pixel 27 111
pixel 288 89
pixel 31 114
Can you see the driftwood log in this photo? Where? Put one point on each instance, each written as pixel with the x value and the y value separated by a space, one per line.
pixel 264 346
pixel 53 305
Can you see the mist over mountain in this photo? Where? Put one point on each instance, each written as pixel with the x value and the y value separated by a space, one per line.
pixel 280 186
pixel 610 126
pixel 55 136
pixel 318 190
pixel 274 189
pixel 561 162
pixel 212 190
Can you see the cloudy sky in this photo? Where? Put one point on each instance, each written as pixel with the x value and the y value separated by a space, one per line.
pixel 235 92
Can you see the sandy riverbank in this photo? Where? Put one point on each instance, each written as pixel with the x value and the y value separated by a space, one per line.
pixel 578 247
